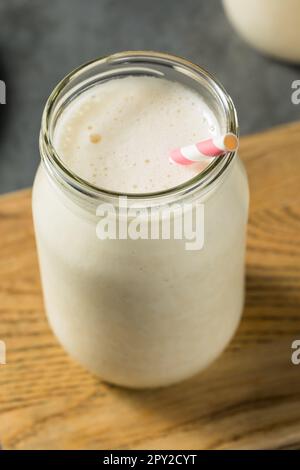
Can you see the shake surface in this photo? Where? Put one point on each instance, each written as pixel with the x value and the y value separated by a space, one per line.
pixel 118 135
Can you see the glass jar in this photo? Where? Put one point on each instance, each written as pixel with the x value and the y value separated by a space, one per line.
pixel 146 312
pixel 271 26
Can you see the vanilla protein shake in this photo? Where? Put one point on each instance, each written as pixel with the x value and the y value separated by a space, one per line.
pixel 139 312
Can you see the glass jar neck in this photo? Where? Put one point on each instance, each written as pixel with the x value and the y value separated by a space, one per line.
pixel 136 63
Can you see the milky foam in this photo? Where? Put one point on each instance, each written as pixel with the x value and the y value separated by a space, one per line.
pixel 118 134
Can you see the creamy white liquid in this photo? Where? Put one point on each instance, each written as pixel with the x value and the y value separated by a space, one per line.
pixel 140 313
pixel 118 135
pixel 272 26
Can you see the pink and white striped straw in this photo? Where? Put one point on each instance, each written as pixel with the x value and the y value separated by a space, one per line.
pixel 201 151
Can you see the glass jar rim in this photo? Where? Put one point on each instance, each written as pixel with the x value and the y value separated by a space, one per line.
pixel 202 181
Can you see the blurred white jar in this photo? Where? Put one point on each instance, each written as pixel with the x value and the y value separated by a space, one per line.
pixel 271 26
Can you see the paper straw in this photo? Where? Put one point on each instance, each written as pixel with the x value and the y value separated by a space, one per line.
pixel 205 149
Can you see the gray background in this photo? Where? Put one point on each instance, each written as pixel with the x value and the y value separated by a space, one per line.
pixel 40 41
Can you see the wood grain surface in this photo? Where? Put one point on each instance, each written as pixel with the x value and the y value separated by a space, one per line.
pixel 249 398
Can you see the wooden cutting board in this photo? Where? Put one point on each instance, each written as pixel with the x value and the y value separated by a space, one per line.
pixel 249 398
